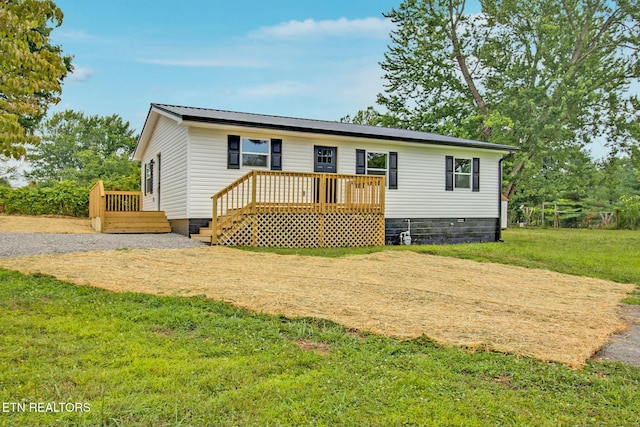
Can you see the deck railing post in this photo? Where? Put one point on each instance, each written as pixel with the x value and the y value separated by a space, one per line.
pixel 254 181
pixel 214 221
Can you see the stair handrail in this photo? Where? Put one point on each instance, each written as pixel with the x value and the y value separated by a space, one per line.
pixel 259 191
pixel 230 203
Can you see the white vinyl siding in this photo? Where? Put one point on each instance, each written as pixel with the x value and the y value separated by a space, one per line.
pixel 421 171
pixel 170 141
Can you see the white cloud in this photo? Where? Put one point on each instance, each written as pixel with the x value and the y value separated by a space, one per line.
pixel 370 27
pixel 79 74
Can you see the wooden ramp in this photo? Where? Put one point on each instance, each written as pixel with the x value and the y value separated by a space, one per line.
pixel 136 222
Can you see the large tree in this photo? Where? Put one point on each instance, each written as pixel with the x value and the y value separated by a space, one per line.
pixel 31 70
pixel 547 76
pixel 84 149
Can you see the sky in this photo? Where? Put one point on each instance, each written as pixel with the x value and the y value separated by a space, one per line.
pixel 316 59
pixel 301 58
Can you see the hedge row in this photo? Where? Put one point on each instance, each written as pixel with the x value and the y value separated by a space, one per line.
pixel 62 198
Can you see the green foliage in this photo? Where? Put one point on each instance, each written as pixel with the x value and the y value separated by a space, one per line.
pixel 84 149
pixel 61 198
pixel 544 75
pixel 629 212
pixel 32 70
pixel 145 360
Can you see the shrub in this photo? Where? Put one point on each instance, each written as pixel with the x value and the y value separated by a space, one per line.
pixel 628 213
pixel 61 198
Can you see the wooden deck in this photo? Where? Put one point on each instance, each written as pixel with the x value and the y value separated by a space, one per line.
pixel 120 212
pixel 292 209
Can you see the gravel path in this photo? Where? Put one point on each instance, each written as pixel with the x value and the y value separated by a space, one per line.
pixel 23 244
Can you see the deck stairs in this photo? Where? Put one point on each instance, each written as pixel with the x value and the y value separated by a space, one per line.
pixel 136 222
pixel 206 233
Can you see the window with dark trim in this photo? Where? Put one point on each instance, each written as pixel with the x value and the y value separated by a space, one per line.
pixel 378 163
pixel 463 173
pixel 253 152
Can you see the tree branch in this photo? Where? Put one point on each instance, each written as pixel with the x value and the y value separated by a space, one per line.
pixel 462 64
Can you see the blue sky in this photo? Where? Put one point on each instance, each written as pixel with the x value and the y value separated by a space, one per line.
pixel 302 58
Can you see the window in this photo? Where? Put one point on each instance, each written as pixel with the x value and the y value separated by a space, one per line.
pixel 325 155
pixel 462 173
pixel 148 177
pixel 255 152
pixel 376 163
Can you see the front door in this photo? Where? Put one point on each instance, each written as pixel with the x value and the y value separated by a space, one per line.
pixel 324 159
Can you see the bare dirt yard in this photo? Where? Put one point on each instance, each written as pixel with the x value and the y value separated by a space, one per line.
pixel 550 316
pixel 45 224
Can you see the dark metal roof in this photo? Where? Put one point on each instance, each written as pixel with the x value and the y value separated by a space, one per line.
pixel 206 115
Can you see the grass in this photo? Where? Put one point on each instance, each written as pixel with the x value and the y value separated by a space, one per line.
pixel 604 254
pixel 170 361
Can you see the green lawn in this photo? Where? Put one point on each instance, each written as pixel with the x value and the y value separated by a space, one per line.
pixel 160 361
pixel 141 360
pixel 605 254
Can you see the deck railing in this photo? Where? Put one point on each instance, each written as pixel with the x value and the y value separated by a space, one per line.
pixel 101 201
pixel 296 192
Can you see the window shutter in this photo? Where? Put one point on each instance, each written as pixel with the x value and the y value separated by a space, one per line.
pixel 476 174
pixel 145 179
pixel 361 162
pixel 233 157
pixel 393 170
pixel 276 154
pixel 449 173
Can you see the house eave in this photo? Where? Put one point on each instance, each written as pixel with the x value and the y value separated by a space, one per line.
pixel 185 116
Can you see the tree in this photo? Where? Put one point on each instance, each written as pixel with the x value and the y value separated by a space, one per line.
pixel 7 173
pixel 84 149
pixel 545 75
pixel 31 70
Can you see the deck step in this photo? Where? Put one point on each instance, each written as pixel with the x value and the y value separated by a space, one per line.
pixel 136 222
pixel 206 233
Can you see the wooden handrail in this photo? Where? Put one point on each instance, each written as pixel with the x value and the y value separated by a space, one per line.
pixel 101 201
pixel 295 192
pixel 123 201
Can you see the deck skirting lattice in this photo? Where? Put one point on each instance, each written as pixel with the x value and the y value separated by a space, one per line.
pixel 306 230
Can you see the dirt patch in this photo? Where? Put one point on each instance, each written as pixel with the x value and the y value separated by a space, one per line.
pixel 537 313
pixel 44 224
pixel 624 347
pixel 317 347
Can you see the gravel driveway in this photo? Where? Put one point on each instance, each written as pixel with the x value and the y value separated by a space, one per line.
pixel 23 244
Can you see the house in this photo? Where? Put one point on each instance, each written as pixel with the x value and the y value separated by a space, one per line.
pixel 445 189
